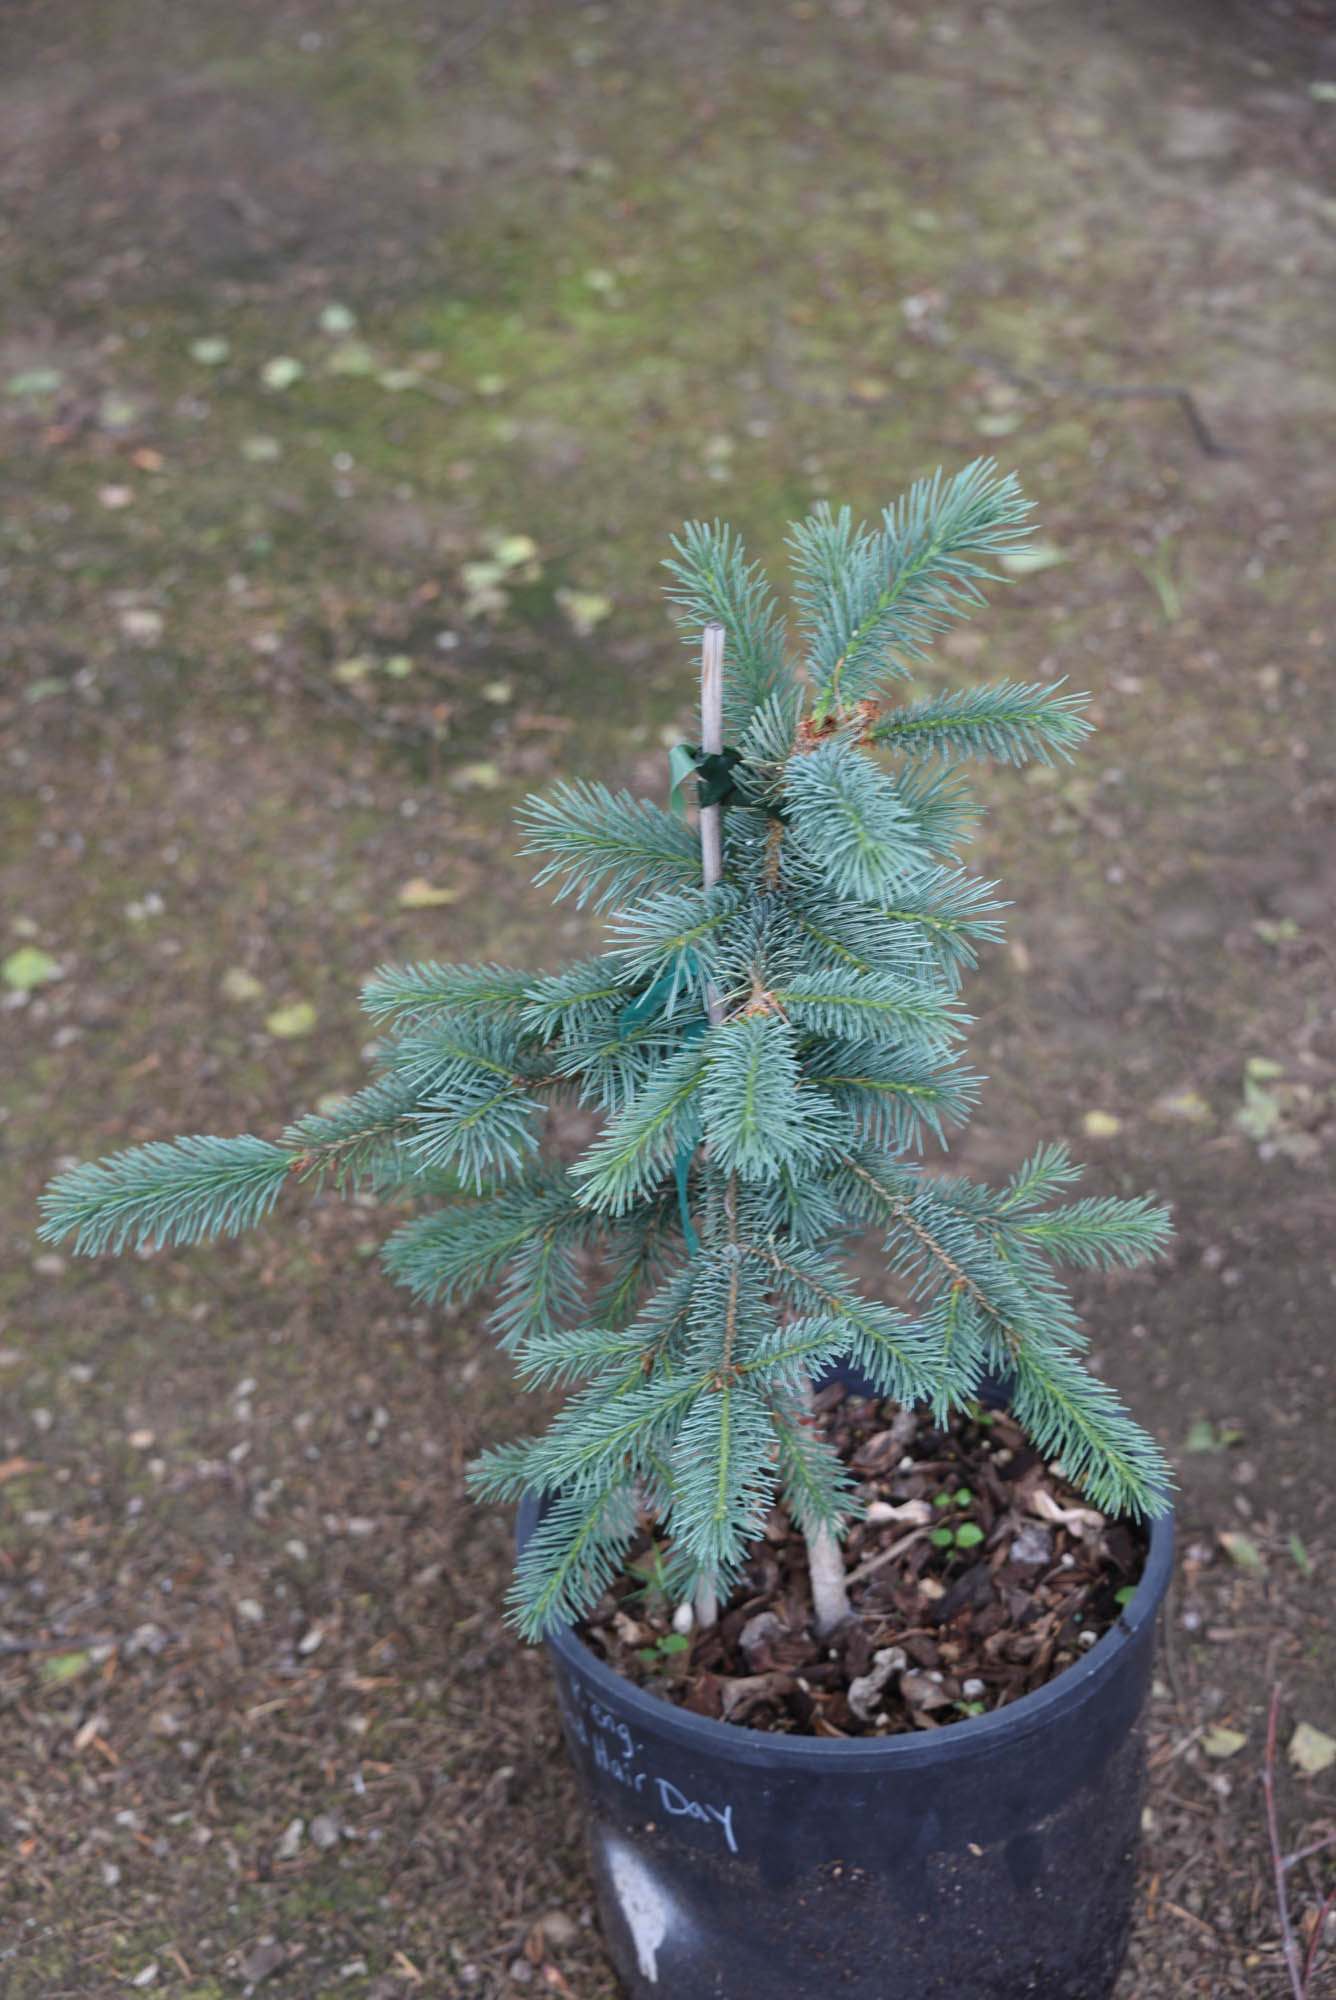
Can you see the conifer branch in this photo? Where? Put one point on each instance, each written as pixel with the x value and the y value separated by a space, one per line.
pixel 1007 721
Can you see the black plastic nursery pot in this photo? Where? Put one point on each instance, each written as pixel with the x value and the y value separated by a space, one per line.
pixel 988 1860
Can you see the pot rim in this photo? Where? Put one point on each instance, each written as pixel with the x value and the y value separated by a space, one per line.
pixel 973 1736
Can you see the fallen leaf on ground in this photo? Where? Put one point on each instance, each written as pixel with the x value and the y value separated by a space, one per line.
pixel 351 357
pixel 348 672
pixel 584 609
pixel 27 967
pixel 1206 1436
pixel 34 382
pixel 419 894
pixel 476 778
pixel 211 350
pixel 1242 1550
pixel 1222 1742
pixel 1029 561
pixel 14 1468
pixel 65 1667
pixel 116 412
pixel 1189 1105
pixel 1311 1750
pixel 298 1018
pixel 1101 1124
pixel 513 550
pixel 281 372
pixel 239 985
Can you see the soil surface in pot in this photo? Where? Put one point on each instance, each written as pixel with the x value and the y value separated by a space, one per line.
pixel 978 1574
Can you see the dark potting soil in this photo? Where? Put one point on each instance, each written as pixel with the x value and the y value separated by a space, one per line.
pixel 978 1574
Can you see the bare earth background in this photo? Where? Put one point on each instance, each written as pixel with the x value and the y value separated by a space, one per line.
pixel 277 664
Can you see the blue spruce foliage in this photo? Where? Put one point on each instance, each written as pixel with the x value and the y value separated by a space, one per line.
pixel 768 1054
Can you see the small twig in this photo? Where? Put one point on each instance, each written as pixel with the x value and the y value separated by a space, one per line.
pixel 1189 1918
pixel 71 1642
pixel 885 1555
pixel 1111 392
pixel 1310 1961
pixel 1298 1980
pixel 1291 1860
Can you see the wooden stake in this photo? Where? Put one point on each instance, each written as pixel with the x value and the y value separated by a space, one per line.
pixel 706 1603
pixel 711 743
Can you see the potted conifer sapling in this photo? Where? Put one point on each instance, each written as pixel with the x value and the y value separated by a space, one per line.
pixel 771 1035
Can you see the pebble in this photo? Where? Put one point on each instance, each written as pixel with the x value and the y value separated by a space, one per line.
pixel 1034 1544
pixel 325 1831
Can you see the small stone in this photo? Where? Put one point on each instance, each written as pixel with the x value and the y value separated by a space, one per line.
pixel 141 625
pixel 921 1691
pixel 147 1638
pixel 520 1971
pixel 1034 1544
pixel 325 1832
pixel 291 1839
pixel 559 1929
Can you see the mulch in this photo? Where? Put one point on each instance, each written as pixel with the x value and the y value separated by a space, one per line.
pixel 977 1574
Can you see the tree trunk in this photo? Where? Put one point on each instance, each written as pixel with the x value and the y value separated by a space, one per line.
pixel 825 1567
pixel 830 1598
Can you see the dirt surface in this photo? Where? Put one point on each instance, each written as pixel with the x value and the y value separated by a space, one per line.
pixel 355 365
